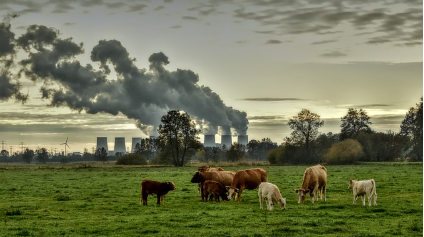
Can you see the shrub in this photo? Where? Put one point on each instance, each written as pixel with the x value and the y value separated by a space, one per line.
pixel 132 159
pixel 345 152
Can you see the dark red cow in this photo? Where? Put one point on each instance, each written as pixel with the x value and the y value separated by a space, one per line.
pixel 160 189
pixel 215 189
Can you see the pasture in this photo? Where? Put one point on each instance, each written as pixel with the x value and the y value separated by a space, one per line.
pixel 72 200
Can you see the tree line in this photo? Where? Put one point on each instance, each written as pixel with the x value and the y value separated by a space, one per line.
pixel 178 143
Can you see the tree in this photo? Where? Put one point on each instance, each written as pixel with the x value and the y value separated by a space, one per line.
pixel 101 154
pixel 147 147
pixel 42 155
pixel 258 150
pixel 235 153
pixel 305 129
pixel 178 136
pixel 412 127
pixel 28 155
pixel 354 122
pixel 347 151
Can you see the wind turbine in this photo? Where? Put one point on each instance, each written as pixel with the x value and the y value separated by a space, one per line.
pixel 66 144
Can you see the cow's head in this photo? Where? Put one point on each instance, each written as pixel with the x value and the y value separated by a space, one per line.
pixel 351 184
pixel 231 192
pixel 197 178
pixel 282 203
pixel 171 185
pixel 302 194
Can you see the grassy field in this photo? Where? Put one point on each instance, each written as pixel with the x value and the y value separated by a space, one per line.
pixel 74 200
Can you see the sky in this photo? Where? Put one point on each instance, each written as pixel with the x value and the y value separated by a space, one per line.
pixel 84 69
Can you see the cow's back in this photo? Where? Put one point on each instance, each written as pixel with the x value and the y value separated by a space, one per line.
pixel 315 175
pixel 223 177
pixel 250 178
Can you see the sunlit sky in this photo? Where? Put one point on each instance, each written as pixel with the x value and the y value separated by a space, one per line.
pixel 269 59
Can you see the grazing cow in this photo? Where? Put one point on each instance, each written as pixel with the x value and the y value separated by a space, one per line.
pixel 154 187
pixel 203 169
pixel 223 177
pixel 362 188
pixel 314 182
pixel 270 193
pixel 246 179
pixel 215 189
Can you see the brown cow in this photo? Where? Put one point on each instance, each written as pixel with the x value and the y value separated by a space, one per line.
pixel 215 189
pixel 203 169
pixel 155 187
pixel 223 177
pixel 314 182
pixel 246 179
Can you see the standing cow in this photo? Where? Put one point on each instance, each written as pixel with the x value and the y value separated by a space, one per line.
pixel 362 188
pixel 203 169
pixel 215 189
pixel 160 189
pixel 314 182
pixel 270 192
pixel 223 177
pixel 246 179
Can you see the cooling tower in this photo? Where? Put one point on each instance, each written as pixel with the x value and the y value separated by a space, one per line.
pixel 102 142
pixel 119 145
pixel 209 141
pixel 226 140
pixel 135 140
pixel 242 140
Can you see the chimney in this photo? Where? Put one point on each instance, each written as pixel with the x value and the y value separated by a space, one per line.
pixel 226 140
pixel 242 140
pixel 209 141
pixel 135 140
pixel 119 145
pixel 102 142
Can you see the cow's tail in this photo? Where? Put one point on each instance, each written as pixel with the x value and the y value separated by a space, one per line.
pixel 374 191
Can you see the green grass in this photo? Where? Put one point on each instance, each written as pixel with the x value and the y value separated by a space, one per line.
pixel 104 201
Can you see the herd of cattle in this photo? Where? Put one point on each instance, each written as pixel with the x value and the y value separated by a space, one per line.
pixel 215 183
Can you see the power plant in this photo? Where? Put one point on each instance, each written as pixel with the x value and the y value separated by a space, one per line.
pixel 102 142
pixel 120 145
pixel 135 140
pixel 209 141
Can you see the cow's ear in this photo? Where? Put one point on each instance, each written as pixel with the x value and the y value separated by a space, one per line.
pixel 227 187
pixel 236 190
pixel 296 190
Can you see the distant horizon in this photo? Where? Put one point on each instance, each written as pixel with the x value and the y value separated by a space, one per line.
pixel 83 69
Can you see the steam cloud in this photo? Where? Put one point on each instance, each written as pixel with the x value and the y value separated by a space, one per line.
pixel 140 94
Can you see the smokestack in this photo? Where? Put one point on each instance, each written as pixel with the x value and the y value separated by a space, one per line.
pixel 242 140
pixel 120 145
pixel 209 141
pixel 135 140
pixel 226 140
pixel 102 142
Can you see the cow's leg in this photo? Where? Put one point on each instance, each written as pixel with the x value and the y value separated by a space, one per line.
pixel 205 196
pixel 158 200
pixel 363 200
pixel 260 201
pixel 201 191
pixel 354 199
pixel 323 193
pixel 375 199
pixel 239 193
pixel 144 197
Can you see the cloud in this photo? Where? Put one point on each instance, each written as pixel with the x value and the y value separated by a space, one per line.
pixel 267 99
pixel 333 54
pixel 273 42
pixel 324 42
pixel 140 94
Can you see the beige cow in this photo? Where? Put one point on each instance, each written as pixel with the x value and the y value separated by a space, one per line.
pixel 270 192
pixel 362 188
pixel 314 182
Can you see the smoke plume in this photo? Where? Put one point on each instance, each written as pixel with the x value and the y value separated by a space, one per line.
pixel 140 94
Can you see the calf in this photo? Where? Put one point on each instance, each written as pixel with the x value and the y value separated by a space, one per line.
pixel 203 169
pixel 160 189
pixel 223 177
pixel 270 192
pixel 215 189
pixel 362 188
pixel 314 182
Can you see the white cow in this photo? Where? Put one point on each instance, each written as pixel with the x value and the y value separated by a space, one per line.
pixel 270 192
pixel 362 188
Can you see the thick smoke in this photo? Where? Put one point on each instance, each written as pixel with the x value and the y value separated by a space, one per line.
pixel 140 94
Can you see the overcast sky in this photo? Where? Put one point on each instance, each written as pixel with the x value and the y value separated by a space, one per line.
pixel 111 68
